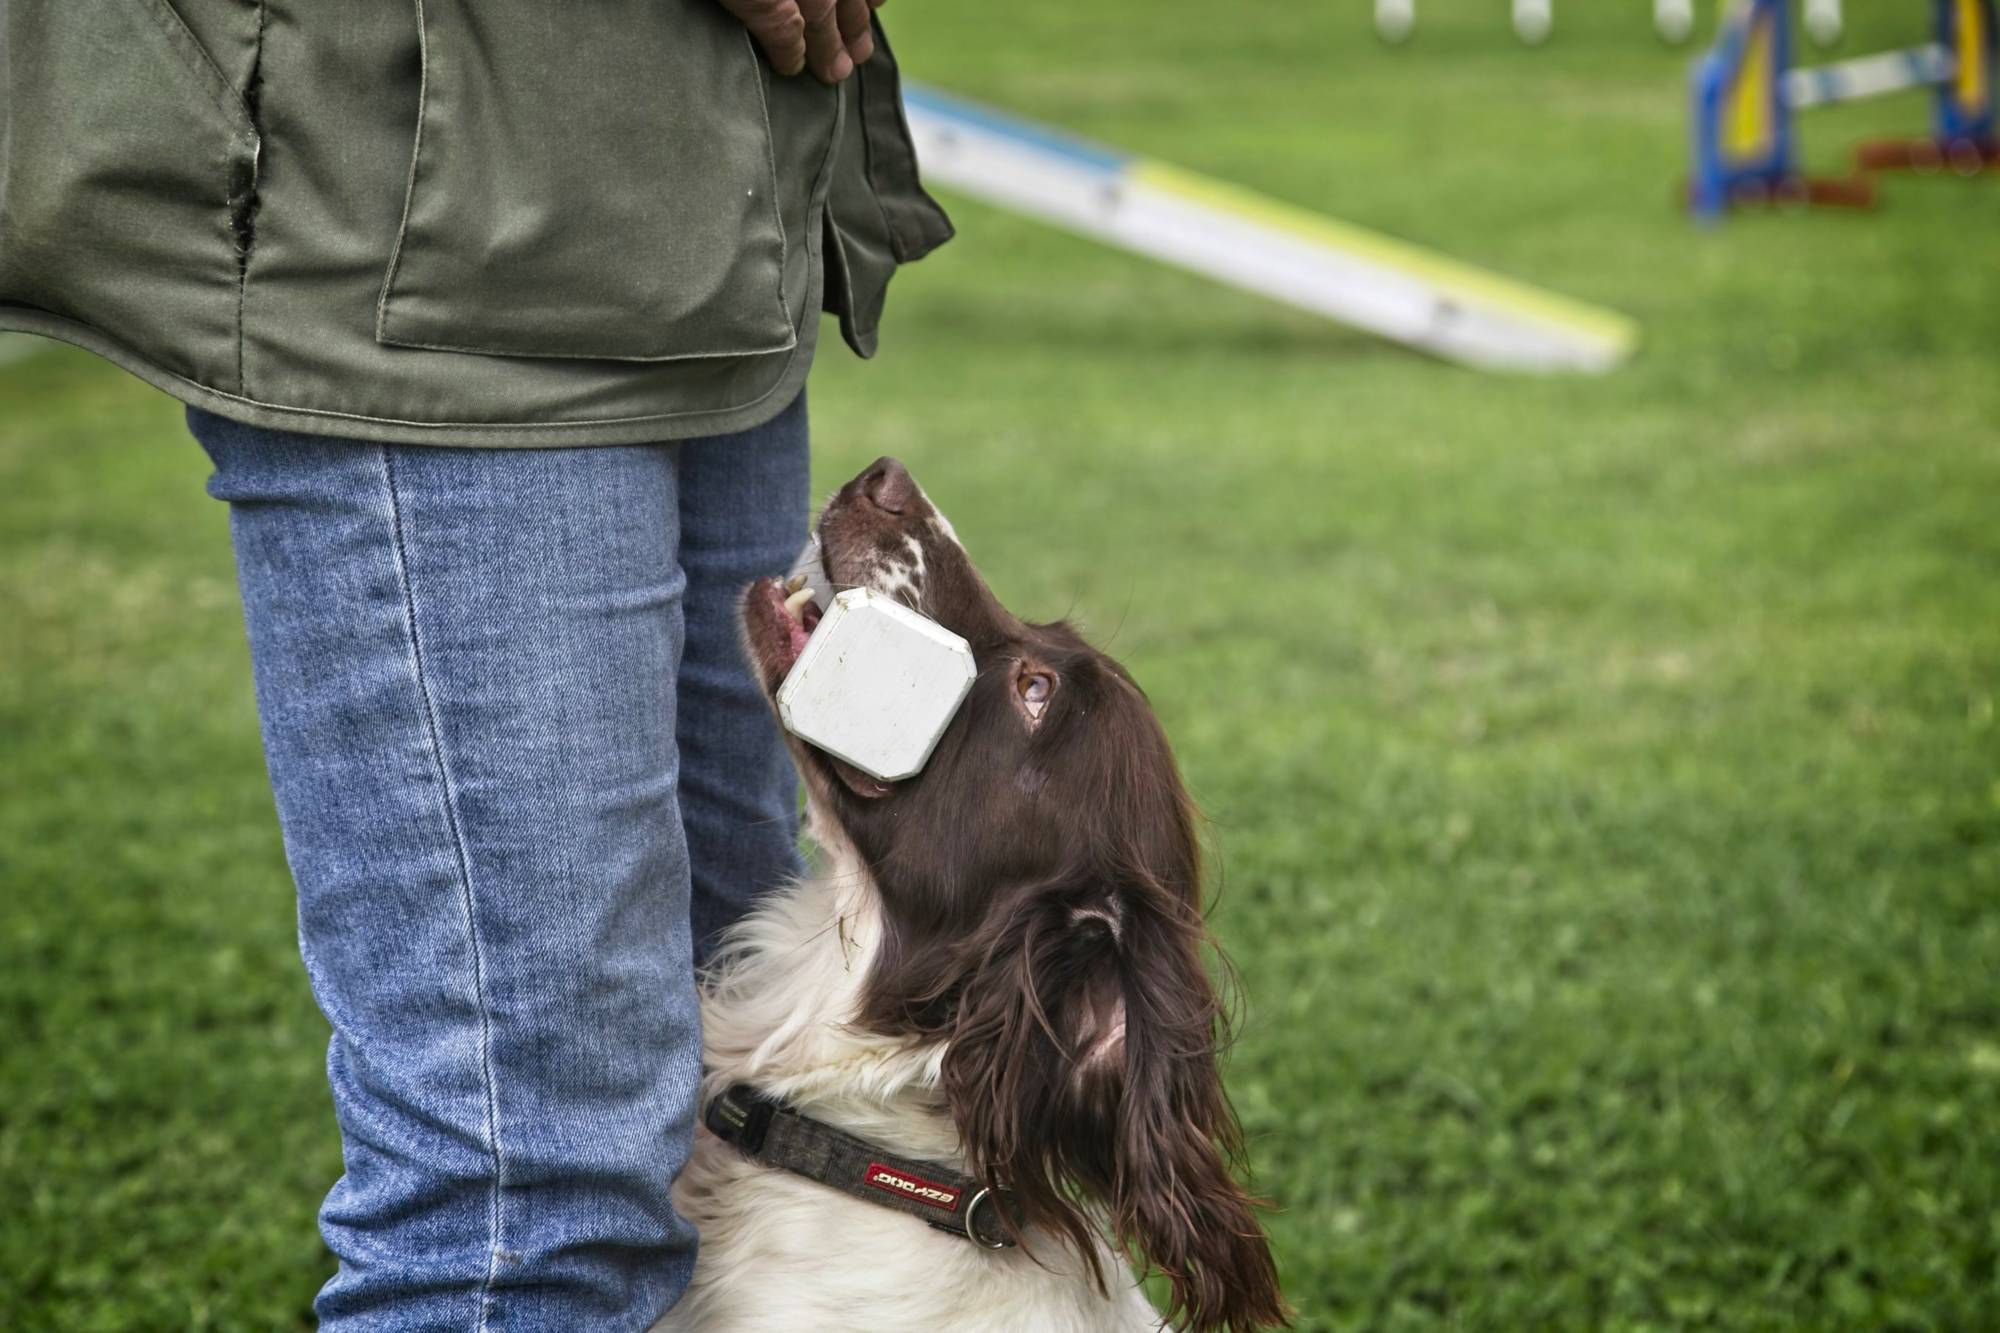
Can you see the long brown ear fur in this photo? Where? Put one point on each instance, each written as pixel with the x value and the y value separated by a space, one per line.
pixel 1083 1061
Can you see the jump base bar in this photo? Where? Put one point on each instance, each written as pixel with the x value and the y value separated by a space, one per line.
pixel 1358 277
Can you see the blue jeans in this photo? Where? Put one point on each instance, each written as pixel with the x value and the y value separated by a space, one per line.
pixel 524 777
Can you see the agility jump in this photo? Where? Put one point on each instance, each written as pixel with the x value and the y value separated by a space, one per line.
pixel 1747 93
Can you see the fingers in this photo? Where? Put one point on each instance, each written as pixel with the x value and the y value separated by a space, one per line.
pixel 826 52
pixel 856 29
pixel 829 37
pixel 778 27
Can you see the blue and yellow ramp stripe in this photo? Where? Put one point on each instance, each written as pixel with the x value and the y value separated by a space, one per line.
pixel 1332 268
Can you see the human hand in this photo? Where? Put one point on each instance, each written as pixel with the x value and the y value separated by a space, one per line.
pixel 829 37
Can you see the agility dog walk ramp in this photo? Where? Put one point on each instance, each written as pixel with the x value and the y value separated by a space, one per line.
pixel 1358 277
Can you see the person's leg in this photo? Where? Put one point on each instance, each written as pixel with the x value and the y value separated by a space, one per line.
pixel 465 665
pixel 743 515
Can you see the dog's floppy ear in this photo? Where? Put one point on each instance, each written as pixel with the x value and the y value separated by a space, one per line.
pixel 1175 1199
pixel 1083 1058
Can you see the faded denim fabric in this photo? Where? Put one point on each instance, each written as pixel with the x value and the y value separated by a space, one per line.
pixel 514 748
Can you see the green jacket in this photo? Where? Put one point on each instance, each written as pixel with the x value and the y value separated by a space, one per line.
pixel 463 222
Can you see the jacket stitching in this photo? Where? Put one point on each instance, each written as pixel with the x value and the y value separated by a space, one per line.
pixel 246 236
pixel 410 186
pixel 822 191
pixel 243 136
pixel 434 744
pixel 896 242
pixel 197 59
pixel 771 170
pixel 791 341
pixel 90 338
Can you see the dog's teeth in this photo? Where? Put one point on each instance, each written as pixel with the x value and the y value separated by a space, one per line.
pixel 795 582
pixel 795 605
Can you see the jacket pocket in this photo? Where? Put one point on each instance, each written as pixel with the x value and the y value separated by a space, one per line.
pixel 589 181
pixel 128 178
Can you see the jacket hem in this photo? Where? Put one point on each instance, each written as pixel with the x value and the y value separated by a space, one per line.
pixel 646 429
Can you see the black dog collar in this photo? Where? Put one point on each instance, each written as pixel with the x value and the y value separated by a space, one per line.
pixel 768 1131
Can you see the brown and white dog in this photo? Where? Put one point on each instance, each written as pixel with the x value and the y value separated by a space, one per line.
pixel 999 964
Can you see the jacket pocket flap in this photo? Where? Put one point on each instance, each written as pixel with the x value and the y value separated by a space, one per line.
pixel 597 187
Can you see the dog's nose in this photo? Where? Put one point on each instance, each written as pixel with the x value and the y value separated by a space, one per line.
pixel 888 485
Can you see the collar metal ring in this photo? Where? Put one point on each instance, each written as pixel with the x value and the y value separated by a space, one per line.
pixel 972 1232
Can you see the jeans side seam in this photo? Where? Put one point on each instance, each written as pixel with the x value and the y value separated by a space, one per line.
pixel 434 743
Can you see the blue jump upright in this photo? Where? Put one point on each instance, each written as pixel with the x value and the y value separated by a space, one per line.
pixel 1966 126
pixel 1966 105
pixel 1744 143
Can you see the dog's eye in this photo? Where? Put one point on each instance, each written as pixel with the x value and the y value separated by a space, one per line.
pixel 1035 688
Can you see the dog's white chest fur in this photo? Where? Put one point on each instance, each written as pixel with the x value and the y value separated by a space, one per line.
pixel 782 1253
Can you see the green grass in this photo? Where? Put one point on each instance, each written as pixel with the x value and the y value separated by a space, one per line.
pixel 1604 773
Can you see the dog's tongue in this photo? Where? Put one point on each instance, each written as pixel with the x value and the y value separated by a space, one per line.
pixel 814 569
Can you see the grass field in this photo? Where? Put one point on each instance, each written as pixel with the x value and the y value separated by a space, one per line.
pixel 1604 774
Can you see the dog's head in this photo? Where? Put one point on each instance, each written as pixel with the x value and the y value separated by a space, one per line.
pixel 1040 884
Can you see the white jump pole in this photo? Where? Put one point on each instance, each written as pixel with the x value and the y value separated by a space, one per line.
pixel 1673 20
pixel 1394 19
pixel 1868 76
pixel 1533 19
pixel 1823 22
